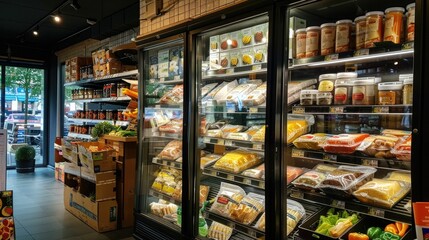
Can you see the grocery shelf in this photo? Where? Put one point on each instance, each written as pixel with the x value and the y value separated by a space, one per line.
pixel 96 100
pixel 83 120
pixel 165 82
pixel 259 146
pixel 397 213
pixel 163 196
pixel 341 59
pixel 109 78
pixel 260 68
pixel 78 135
pixel 405 110
pixel 168 163
pixel 380 163
pixel 236 178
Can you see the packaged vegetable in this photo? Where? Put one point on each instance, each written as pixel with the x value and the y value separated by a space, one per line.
pixel 249 208
pixel 296 128
pixel 311 141
pixel 344 143
pixel 325 168
pixel 382 193
pixel 295 212
pixel 309 180
pixel 399 176
pixel 256 97
pixel 208 159
pixel 171 151
pixel 174 126
pixel 259 136
pixel 237 161
pixel 257 172
pixel 225 90
pixel 378 146
pixel 292 173
pixel 374 232
pixel 227 199
pixel 219 231
pixel 335 223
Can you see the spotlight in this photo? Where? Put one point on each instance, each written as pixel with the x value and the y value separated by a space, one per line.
pixel 91 21
pixel 36 31
pixel 57 18
pixel 74 4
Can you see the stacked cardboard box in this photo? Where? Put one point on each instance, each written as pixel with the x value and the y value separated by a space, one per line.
pixel 73 68
pixel 105 63
pixel 90 186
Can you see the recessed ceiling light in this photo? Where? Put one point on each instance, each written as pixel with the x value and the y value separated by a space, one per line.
pixel 36 31
pixel 57 18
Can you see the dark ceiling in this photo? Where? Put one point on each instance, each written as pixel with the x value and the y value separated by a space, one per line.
pixel 17 18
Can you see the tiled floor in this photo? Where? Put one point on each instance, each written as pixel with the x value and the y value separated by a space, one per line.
pixel 39 210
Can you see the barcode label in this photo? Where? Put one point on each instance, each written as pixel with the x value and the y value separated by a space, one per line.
pixel 362 52
pixel 256 67
pixel 370 162
pixel 338 204
pixel 228 143
pixel 230 70
pixel 257 146
pixel 331 57
pixel 253 110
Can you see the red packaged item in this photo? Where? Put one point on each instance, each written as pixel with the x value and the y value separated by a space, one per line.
pixel 292 173
pixel 402 150
pixel 174 126
pixel 344 143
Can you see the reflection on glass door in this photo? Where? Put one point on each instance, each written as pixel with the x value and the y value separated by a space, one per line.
pixel 24 110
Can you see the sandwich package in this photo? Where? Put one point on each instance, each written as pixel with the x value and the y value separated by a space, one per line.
pixel 174 96
pixel 172 151
pixel 402 150
pixel 311 141
pixel 309 180
pixel 257 172
pixel 248 209
pixel 208 159
pixel 228 199
pixel 229 128
pixel 237 161
pixel 292 173
pixel 344 143
pixel 256 97
pixel 167 180
pixel 219 231
pixel 382 192
pixel 259 136
pixel 344 180
pixel 295 212
pixel 174 126
pixel 204 192
pixel 378 146
pixel 163 208
pixel 396 133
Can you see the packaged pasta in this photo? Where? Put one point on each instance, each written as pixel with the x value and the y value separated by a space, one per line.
pixel 399 176
pixel 223 93
pixel 260 224
pixel 227 199
pixel 382 193
pixel 296 128
pixel 309 180
pixel 378 146
pixel 257 172
pixel 174 126
pixel 295 212
pixel 311 141
pixel 344 143
pixel 256 97
pixel 237 161
pixel 219 231
pixel 259 136
pixel 292 173
pixel 172 151
pixel 208 159
pixel 248 209
pixel 174 96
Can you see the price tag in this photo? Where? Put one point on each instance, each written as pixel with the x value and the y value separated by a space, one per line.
pixel 297 194
pixel 336 109
pixel 161 79
pixel 221 142
pixel 229 70
pixel 329 157
pixel 256 67
pixel 253 110
pixel 381 109
pixel 408 45
pixel 297 153
pixel 370 162
pixel 257 146
pixel 231 225
pixel 376 212
pixel 262 185
pixel 331 57
pixel 152 80
pixel 338 204
pixel 228 143
pixel 247 181
pixel 362 52
pixel 206 140
pixel 157 106
pixel 177 78
pixel 251 233
pixel 230 177
pixel 298 110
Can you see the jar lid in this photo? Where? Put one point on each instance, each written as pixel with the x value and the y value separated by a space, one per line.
pixel 346 75
pixel 390 86
pixel 328 76
pixel 394 9
pixel 360 18
pixel 344 21
pixel 327 25
pixel 374 13
pixel 377 80
pixel 309 91
pixel 411 5
pixel 300 30
pixel 343 82
pixel 402 77
pixel 324 95
pixel 363 81
pixel 313 28
pixel 408 81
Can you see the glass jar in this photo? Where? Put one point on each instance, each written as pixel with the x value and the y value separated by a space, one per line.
pixel 360 32
pixel 390 93
pixel 363 92
pixel 343 92
pixel 308 97
pixel 327 38
pixel 113 90
pixel 301 35
pixel 411 15
pixel 374 26
pixel 343 34
pixel 81 93
pixel 101 114
pixel 108 114
pixel 95 114
pixel 326 82
pixel 408 91
pixel 393 24
pixel 312 41
pixel 89 94
pixel 324 98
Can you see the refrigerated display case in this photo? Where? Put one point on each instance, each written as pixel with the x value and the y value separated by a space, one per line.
pixel 347 119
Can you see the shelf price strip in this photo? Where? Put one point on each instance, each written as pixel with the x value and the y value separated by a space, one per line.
pixel 259 183
pixel 376 212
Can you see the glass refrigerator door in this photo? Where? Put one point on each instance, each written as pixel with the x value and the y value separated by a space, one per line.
pixel 161 147
pixel 231 89
pixel 347 139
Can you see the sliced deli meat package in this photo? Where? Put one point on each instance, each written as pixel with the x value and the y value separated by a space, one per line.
pixel 344 143
pixel 309 180
pixel 292 173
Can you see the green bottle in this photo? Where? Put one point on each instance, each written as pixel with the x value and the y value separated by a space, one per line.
pixel 203 228
pixel 179 216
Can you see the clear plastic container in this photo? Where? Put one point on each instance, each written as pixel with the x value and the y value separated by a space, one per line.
pixel 301 35
pixel 308 97
pixel 374 32
pixel 327 40
pixel 326 82
pixel 408 91
pixel 312 42
pixel 343 92
pixel 343 34
pixel 363 92
pixel 390 93
pixel 377 80
pixel 393 24
pixel 324 98
pixel 360 32
pixel 411 13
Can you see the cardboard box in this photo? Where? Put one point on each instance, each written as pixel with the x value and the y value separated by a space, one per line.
pixel 98 186
pixel 101 166
pixel 72 181
pixel 70 152
pixel 126 68
pixel 89 158
pixel 113 67
pixel 101 216
pixel 59 171
pixel 71 168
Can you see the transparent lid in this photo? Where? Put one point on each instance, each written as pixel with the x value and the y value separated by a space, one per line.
pixel 408 81
pixel 363 81
pixel 346 75
pixel 327 25
pixel 344 21
pixel 312 28
pixel 328 76
pixel 309 92
pixel 324 95
pixel 301 30
pixel 377 80
pixel 390 86
pixel 374 13
pixel 395 9
pixel 343 83
pixel 360 18
pixel 411 5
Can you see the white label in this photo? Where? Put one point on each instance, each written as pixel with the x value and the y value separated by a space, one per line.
pixel 152 80
pixel 221 142
pixel 381 109
pixel 362 52
pixel 257 146
pixel 256 67
pixel 338 204
pixel 330 157
pixel 206 140
pixel 228 143
pixel 370 162
pixel 336 109
pixel 297 153
pixel 229 70
pixel 376 212
pixel 161 79
pixel 331 57
pixel 247 181
pixel 253 110
pixel 230 177
pixel 177 78
pixel 298 110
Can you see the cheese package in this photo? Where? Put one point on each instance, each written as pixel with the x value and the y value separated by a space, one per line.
pixel 257 172
pixel 174 126
pixel 402 149
pixel 219 231
pixel 248 209
pixel 238 92
pixel 309 180
pixel 172 151
pixel 344 143
pixel 174 96
pixel 259 136
pixel 227 129
pixel 256 97
pixel 399 176
pixel 311 141
pixel 223 93
pixel 207 88
pixel 295 212
pixel 296 128
pixel 208 159
pixel 237 161
pixel 260 224
pixel 292 173
pixel 382 193
pixel 227 199
pixel 378 146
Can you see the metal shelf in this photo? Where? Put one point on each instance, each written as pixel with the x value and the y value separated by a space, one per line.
pixel 355 109
pixel 260 68
pixel 236 178
pixel 78 135
pixel 211 107
pixel 168 163
pixel 96 100
pixel 176 107
pixel 397 213
pixel 165 82
pixel 259 146
pixel 81 120
pixel 109 78
pixel 163 196
pixel 380 163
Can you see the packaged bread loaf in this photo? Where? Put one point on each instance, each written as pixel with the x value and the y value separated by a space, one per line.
pixel 227 199
pixel 295 212
pixel 309 180
pixel 311 141
pixel 382 193
pixel 296 128
pixel 248 209
pixel 172 151
pixel 256 97
pixel 219 231
pixel 237 161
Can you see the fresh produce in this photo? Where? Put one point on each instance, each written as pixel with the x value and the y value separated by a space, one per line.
pixel 391 228
pixel 374 232
pixel 102 128
pixel 402 228
pixel 336 223
pixel 123 133
pixel 358 236
pixel 131 114
pixel 388 236
pixel 130 93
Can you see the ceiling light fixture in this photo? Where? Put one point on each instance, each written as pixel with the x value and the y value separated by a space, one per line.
pixel 36 31
pixel 75 4
pixel 91 21
pixel 57 18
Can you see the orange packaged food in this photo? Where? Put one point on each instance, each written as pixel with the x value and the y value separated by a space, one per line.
pixel 393 24
pixel 344 143
pixel 292 173
pixel 172 151
pixel 402 150
pixel 374 32
pixel 174 126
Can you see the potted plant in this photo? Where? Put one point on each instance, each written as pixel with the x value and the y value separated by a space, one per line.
pixel 25 159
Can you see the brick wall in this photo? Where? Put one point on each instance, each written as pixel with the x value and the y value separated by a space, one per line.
pixel 182 11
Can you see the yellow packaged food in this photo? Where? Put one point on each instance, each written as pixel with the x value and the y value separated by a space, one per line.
pixel 296 128
pixel 399 176
pixel 208 159
pixel 259 136
pixel 237 161
pixel 382 193
pixel 249 208
pixel 311 141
